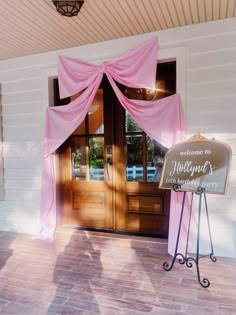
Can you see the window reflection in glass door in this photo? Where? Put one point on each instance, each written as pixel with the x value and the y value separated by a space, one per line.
pixel 144 155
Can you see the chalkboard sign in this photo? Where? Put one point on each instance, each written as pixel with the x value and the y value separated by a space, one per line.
pixel 197 162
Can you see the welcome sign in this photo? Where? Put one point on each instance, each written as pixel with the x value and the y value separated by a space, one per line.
pixel 197 162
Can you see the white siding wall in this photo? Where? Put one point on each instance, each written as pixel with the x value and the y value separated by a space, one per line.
pixel 206 81
pixel 22 112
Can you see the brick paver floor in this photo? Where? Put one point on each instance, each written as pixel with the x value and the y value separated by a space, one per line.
pixel 97 273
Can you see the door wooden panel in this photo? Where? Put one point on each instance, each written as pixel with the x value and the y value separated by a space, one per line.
pixel 147 210
pixel 87 199
pixel 141 204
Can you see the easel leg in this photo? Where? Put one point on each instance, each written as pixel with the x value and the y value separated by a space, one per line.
pixel 188 259
pixel 166 265
pixel 212 257
pixel 189 223
pixel 205 282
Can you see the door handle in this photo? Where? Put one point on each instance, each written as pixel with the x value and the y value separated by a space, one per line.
pixel 109 163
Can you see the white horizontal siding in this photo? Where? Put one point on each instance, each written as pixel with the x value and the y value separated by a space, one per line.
pixel 209 108
pixel 28 184
pixel 27 205
pixel 212 74
pixel 18 149
pixel 21 195
pixel 27 132
pixel 16 74
pixel 22 162
pixel 211 58
pixel 233 162
pixel 232 144
pixel 17 97
pixel 208 118
pixel 29 83
pixel 204 88
pixel 33 118
pixel 22 148
pixel 212 43
pixel 211 102
pixel 232 177
pixel 20 216
pixel 22 108
pixel 217 203
pixel 209 131
pixel 18 174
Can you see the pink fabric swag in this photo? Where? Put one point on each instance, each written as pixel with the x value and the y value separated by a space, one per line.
pixel 162 119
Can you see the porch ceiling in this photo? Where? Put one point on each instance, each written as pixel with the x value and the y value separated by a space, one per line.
pixel 33 26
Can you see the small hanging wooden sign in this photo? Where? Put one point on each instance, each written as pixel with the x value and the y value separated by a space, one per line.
pixel 197 162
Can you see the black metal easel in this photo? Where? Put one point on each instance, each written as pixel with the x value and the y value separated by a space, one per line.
pixel 186 259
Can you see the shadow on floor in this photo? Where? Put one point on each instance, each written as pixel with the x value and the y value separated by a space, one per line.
pixel 5 250
pixel 76 266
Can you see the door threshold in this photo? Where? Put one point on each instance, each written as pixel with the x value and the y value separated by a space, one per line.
pixel 113 232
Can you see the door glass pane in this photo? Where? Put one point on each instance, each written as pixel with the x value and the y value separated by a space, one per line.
pixel 96 158
pixel 78 160
pixel 155 158
pixel 95 114
pixel 147 94
pixel 130 124
pixel 134 158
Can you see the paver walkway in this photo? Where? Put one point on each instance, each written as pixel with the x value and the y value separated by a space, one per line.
pixel 97 273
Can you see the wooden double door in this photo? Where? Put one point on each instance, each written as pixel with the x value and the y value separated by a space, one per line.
pixel 109 171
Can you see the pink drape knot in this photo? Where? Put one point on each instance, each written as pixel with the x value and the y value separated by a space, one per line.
pixel 102 68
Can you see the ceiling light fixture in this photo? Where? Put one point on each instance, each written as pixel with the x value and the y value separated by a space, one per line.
pixel 68 8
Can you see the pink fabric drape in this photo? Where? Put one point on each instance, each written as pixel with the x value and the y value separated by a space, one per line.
pixel 162 120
